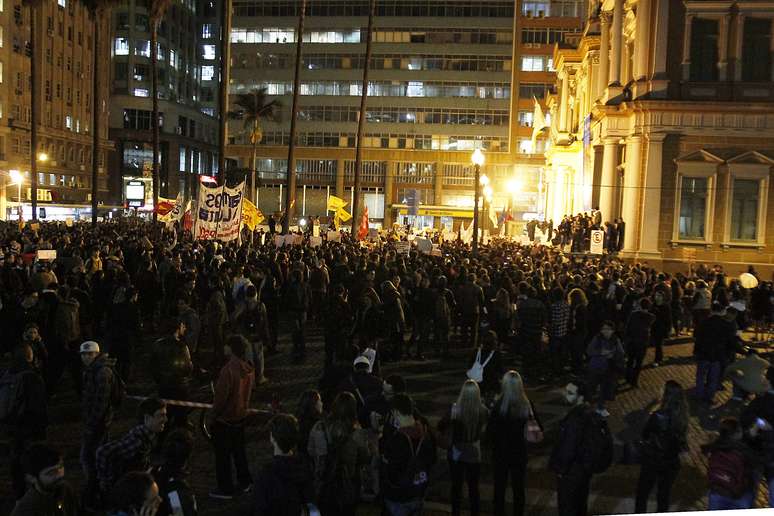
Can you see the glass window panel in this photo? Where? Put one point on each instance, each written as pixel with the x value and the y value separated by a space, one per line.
pixel 744 209
pixel 693 207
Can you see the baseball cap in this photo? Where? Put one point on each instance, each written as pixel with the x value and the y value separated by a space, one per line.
pixel 89 347
pixel 361 360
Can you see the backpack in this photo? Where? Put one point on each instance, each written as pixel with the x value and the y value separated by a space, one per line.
pixel 442 311
pixel 476 372
pixel 416 475
pixel 11 399
pixel 727 474
pixel 598 445
pixel 338 486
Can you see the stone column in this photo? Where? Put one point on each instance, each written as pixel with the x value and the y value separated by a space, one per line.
pixel 604 54
pixel 771 46
pixel 340 173
pixel 607 178
pixel 564 107
pixel 631 191
pixel 388 193
pixel 642 46
pixel 736 51
pixel 686 64
pixel 650 210
pixel 617 35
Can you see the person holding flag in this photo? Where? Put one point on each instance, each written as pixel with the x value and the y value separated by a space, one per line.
pixel 363 230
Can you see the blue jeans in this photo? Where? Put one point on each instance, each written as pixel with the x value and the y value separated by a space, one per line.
pixel 719 502
pixel 707 379
pixel 412 508
pixel 770 483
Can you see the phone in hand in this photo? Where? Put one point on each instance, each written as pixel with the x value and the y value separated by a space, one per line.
pixel 761 423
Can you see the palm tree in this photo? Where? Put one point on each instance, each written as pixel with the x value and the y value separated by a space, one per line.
pixel 158 8
pixel 361 121
pixel 98 9
pixel 252 109
pixel 290 192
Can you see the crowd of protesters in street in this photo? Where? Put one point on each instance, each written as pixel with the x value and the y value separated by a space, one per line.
pixel 96 312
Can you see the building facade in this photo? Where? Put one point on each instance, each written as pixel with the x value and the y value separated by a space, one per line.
pixel 188 70
pixel 64 56
pixel 665 118
pixel 443 81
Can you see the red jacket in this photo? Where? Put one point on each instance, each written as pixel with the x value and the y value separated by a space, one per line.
pixel 233 391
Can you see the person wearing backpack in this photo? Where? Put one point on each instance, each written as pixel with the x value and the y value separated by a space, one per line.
pixel 758 420
pixel 445 306
pixel 365 387
pixel 605 357
pixel 338 447
pixel 512 418
pixel 23 412
pixel 407 455
pixel 732 468
pixel 583 448
pixel 487 367
pixel 251 319
pixel 97 410
pixel 284 486
pixel 464 425
pixel 663 440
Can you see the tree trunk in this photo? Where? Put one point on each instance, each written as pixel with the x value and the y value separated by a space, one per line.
pixel 155 115
pixel 225 60
pixel 361 123
pixel 95 108
pixel 33 113
pixel 290 193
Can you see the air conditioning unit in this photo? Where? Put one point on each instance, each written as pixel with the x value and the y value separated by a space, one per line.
pixel 178 130
pixel 529 14
pixel 541 14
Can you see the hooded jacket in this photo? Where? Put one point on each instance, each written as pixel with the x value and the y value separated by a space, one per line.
pixel 713 338
pixel 172 368
pixel 407 457
pixel 233 391
pixel 98 381
pixel 282 487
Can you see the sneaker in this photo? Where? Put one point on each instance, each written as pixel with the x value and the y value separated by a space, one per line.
pixel 603 412
pixel 221 495
pixel 655 364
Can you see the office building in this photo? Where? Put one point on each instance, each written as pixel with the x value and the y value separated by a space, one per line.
pixel 64 57
pixel 665 118
pixel 188 61
pixel 443 81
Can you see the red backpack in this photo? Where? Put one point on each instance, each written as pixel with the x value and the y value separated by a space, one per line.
pixel 727 473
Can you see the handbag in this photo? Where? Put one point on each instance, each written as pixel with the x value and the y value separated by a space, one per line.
pixel 476 372
pixel 532 431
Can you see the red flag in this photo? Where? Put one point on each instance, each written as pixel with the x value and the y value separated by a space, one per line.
pixel 187 220
pixel 164 207
pixel 363 231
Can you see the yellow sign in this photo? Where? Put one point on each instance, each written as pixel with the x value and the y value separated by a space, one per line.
pixel 251 215
pixel 335 203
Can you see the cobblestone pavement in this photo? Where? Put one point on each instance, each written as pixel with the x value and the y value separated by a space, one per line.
pixel 434 385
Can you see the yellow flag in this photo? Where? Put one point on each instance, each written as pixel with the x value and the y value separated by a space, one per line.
pixel 251 215
pixel 335 203
pixel 342 215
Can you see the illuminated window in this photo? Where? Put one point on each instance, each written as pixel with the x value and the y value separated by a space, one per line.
pixel 69 122
pixel 208 52
pixel 141 92
pixel 121 47
pixel 208 72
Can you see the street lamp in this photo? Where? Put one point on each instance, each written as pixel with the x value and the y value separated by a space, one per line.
pixel 478 160
pixel 42 157
pixel 17 178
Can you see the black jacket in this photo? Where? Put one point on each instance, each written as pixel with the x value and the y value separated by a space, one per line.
pixel 408 455
pixel 175 493
pixel 506 435
pixel 568 450
pixel 637 334
pixel 761 407
pixel 32 418
pixel 714 337
pixel 172 368
pixel 282 487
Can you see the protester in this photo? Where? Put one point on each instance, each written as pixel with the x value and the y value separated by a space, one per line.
pixel 663 440
pixel 25 417
pixel 758 422
pixel 637 338
pixel 507 421
pixel 229 411
pixel 172 370
pixel 177 495
pixel 284 486
pixel 251 319
pixel 132 451
pixel 49 494
pixel 606 357
pixel 135 494
pixel 407 456
pixel 97 412
pixel 713 336
pixel 732 467
pixel 465 424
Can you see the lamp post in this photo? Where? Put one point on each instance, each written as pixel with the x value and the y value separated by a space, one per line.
pixel 478 160
pixel 17 178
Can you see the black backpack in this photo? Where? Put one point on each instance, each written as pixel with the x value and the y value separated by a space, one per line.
pixel 598 444
pixel 338 486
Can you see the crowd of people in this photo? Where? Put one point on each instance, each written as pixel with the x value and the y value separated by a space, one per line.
pixel 575 231
pixel 220 307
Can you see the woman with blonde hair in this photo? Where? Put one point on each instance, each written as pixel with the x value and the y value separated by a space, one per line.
pixel 465 425
pixel 507 421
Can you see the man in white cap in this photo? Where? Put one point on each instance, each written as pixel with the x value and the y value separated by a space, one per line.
pixel 365 387
pixel 96 409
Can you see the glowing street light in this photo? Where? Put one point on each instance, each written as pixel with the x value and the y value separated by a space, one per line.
pixel 514 186
pixel 42 157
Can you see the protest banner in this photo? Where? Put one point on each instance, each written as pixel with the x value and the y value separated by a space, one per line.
pixel 47 254
pixel 315 241
pixel 334 236
pixel 279 240
pixel 597 241
pixel 218 213
pixel 424 245
pixel 251 215
pixel 403 247
pixel 69 222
